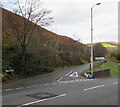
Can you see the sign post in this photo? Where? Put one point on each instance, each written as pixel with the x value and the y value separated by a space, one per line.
pixel 99 58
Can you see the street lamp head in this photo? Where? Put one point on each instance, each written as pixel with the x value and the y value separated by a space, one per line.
pixel 98 3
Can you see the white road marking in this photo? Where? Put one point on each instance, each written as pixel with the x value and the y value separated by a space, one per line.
pixel 93 87
pixel 78 80
pixel 72 81
pixel 53 83
pixel 60 79
pixel 35 85
pixel 19 88
pixel 75 74
pixel 46 84
pixel 68 73
pixel 28 87
pixel 38 101
pixel 65 81
pixel 115 83
pixel 8 89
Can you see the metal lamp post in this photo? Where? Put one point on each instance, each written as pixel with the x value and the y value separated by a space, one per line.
pixel 92 37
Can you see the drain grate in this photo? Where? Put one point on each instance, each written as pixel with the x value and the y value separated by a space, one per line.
pixel 42 95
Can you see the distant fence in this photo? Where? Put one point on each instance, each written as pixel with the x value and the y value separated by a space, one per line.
pixel 96 64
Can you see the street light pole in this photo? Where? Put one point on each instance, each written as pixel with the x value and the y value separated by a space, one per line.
pixel 91 58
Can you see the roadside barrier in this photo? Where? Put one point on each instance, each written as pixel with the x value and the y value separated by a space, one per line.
pixel 96 64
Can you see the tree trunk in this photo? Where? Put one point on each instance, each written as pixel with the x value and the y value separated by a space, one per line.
pixel 23 60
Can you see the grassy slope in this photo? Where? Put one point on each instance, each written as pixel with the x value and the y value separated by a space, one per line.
pixel 113 42
pixel 113 66
pixel 108 45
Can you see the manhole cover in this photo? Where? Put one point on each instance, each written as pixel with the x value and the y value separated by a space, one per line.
pixel 42 95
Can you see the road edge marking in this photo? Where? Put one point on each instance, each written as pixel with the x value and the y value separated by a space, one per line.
pixel 115 83
pixel 8 89
pixel 93 87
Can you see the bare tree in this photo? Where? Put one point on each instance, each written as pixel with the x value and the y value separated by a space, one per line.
pixel 32 15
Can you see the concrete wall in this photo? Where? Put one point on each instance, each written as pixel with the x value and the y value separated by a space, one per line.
pixel 102 73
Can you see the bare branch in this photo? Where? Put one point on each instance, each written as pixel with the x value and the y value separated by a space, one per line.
pixel 24 26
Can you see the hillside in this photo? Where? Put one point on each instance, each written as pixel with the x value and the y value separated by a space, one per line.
pixel 47 35
pixel 109 49
pixel 45 52
pixel 108 44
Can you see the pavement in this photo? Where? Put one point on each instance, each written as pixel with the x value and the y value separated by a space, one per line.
pixel 66 87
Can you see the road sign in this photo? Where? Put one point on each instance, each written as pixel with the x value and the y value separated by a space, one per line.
pixel 9 71
pixel 99 58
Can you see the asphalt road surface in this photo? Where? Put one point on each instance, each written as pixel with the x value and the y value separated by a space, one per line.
pixel 66 87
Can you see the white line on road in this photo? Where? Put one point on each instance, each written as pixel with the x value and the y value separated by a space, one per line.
pixel 19 88
pixel 27 87
pixel 46 84
pixel 8 89
pixel 79 80
pixel 115 83
pixel 68 73
pixel 93 87
pixel 53 83
pixel 60 79
pixel 76 80
pixel 35 85
pixel 38 101
pixel 30 86
pixel 72 81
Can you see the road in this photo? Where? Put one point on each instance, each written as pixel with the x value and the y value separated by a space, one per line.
pixel 64 87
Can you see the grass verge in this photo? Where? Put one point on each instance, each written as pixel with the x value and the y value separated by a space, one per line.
pixel 112 65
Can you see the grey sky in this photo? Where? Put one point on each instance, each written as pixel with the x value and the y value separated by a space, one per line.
pixel 72 17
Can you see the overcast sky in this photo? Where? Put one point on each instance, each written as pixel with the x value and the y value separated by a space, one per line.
pixel 72 19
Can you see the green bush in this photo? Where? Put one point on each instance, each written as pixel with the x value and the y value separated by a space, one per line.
pixel 48 69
